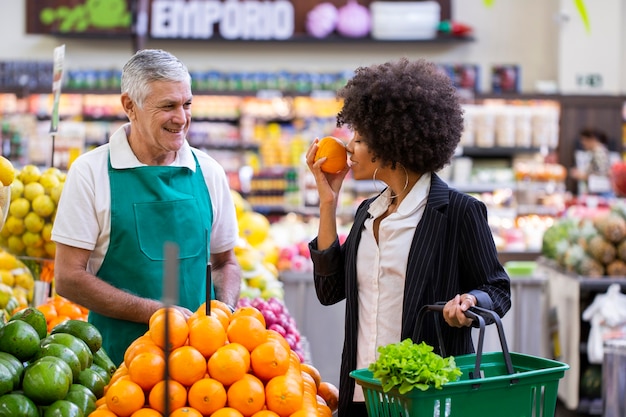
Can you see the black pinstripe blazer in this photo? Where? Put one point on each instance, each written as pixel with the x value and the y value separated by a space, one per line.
pixel 452 252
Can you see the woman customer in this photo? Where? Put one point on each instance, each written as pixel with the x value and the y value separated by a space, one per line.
pixel 417 241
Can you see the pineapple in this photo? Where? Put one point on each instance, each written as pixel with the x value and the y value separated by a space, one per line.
pixel 589 267
pixel 621 250
pixel 572 257
pixel 601 249
pixel 617 268
pixel 612 226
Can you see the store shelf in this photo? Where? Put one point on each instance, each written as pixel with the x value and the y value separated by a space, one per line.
pixel 441 38
pixel 495 152
pixel 476 187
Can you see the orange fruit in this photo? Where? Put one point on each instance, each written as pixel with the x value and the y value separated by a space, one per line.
pixel 229 363
pixel 49 311
pixel 247 395
pixel 334 150
pixel 222 317
pixel 249 311
pixel 207 395
pixel 178 331
pixel 247 331
pixel 265 413
pixel 227 412
pixel 309 383
pixel 330 394
pixel 124 397
pixel 145 412
pixel 70 310
pixel 177 395
pixel 102 412
pixel 305 412
pixel 141 346
pixel 324 411
pixel 274 336
pixel 215 305
pixel 269 359
pixel 146 369
pixel 217 313
pixel 207 334
pixel 185 412
pixel 313 372
pixel 57 320
pixel 283 395
pixel 187 365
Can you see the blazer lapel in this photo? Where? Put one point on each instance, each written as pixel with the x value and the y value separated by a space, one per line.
pixel 424 251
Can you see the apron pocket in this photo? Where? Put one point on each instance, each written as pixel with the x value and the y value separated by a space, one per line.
pixel 170 221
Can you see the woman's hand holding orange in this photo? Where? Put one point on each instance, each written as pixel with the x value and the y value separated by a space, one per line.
pixel 328 183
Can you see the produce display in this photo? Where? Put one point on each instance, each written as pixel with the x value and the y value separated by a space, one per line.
pixel 34 197
pixel 17 285
pixel 58 309
pixel 7 176
pixel 221 363
pixel 257 253
pixel 61 372
pixel 593 244
pixel 277 318
pixel 249 363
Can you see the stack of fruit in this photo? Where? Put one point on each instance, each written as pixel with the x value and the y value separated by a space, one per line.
pixel 34 197
pixel 592 245
pixel 256 252
pixel 16 286
pixel 220 364
pixel 58 309
pixel 58 373
pixel 278 318
pixel 7 176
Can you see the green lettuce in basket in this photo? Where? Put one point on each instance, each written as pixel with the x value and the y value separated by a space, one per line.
pixel 407 365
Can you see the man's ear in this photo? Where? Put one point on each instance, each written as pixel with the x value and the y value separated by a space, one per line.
pixel 128 105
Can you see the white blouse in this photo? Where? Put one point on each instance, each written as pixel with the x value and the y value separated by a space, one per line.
pixel 381 269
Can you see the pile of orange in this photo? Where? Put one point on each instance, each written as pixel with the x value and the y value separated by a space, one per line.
pixel 221 364
pixel 59 309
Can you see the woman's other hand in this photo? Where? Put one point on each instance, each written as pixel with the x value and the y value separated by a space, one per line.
pixel 454 310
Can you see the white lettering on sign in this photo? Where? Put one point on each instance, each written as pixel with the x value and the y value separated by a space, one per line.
pixel 196 19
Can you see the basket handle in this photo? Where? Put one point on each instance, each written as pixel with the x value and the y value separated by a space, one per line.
pixel 478 314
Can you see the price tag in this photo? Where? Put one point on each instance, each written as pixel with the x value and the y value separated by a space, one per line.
pixel 321 94
pixel 269 94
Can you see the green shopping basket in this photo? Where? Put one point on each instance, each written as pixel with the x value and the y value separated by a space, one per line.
pixel 493 384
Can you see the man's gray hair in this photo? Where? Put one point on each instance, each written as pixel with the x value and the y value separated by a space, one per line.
pixel 147 66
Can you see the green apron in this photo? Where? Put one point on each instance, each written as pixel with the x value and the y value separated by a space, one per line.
pixel 152 205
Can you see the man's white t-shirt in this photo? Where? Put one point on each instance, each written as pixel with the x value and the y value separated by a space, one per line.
pixel 83 216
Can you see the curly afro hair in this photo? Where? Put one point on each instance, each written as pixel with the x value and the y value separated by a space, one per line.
pixel 407 112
